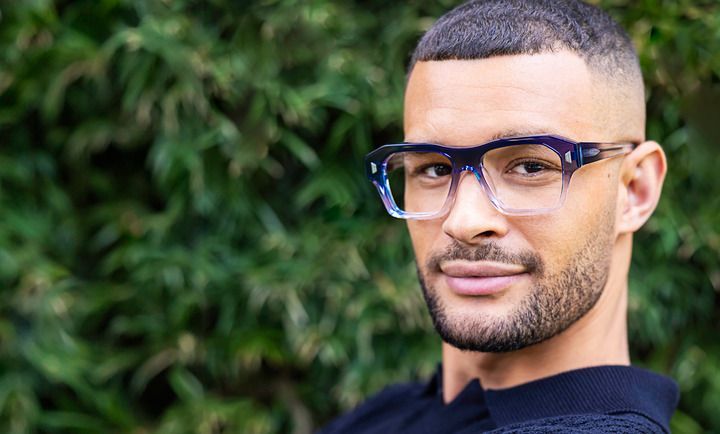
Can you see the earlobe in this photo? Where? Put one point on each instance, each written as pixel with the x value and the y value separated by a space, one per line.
pixel 641 179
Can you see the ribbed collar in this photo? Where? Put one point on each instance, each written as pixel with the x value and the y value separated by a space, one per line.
pixel 596 390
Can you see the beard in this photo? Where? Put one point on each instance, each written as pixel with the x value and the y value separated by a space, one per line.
pixel 555 300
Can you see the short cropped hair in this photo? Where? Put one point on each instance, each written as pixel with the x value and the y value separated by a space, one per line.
pixel 480 29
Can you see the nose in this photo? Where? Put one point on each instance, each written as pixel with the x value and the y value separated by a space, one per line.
pixel 473 218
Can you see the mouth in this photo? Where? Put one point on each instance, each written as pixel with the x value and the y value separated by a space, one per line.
pixel 481 278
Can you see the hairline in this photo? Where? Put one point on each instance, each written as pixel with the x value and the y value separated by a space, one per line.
pixel 627 77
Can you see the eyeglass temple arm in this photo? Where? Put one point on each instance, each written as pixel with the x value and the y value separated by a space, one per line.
pixel 592 152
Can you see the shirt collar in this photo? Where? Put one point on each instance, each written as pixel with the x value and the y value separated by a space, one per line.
pixel 595 390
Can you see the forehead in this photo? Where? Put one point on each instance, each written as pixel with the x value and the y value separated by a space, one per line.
pixel 466 102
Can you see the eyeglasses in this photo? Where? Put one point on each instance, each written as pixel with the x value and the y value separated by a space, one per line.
pixel 521 175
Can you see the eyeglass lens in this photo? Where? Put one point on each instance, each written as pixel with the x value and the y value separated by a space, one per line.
pixel 521 177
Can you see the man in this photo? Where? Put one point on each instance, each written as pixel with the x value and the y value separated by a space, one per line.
pixel 524 173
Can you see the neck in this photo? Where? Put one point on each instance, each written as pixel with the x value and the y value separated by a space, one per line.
pixel 598 338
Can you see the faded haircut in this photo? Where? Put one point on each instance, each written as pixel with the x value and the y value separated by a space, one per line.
pixel 480 29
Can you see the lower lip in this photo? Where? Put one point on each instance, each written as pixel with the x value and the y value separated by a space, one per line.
pixel 476 286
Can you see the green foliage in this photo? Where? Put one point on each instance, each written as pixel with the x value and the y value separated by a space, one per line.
pixel 188 242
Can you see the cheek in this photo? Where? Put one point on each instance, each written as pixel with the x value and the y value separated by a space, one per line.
pixel 424 234
pixel 588 211
pixel 593 196
pixel 551 237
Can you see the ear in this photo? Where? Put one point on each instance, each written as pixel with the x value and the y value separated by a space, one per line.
pixel 641 179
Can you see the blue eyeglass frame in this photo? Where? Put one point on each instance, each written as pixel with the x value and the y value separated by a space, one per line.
pixel 573 155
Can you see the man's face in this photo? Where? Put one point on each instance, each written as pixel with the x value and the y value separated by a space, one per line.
pixel 495 282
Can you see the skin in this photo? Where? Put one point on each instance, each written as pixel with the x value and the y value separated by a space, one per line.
pixel 468 102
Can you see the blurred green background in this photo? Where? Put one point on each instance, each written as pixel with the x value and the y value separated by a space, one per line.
pixel 187 240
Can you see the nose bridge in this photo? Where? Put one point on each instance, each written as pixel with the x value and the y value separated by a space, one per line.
pixel 479 178
pixel 467 161
pixel 473 214
pixel 468 167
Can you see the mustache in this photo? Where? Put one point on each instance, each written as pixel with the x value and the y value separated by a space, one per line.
pixel 485 252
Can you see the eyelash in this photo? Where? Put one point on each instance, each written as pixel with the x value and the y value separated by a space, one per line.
pixel 422 168
pixel 545 164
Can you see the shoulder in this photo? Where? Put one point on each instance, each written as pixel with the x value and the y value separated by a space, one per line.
pixel 388 404
pixel 623 423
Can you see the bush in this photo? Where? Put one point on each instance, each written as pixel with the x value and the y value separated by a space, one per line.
pixel 188 242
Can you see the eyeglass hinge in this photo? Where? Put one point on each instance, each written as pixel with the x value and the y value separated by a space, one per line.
pixel 588 153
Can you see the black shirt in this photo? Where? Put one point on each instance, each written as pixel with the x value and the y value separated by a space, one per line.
pixel 619 399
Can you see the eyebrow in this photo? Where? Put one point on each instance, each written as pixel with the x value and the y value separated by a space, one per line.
pixel 504 134
pixel 522 133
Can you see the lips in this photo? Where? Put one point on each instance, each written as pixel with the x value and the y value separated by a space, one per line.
pixel 481 278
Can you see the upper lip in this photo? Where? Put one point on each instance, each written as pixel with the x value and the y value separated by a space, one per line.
pixel 480 269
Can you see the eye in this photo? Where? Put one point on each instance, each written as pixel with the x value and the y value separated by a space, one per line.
pixel 530 167
pixel 435 170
